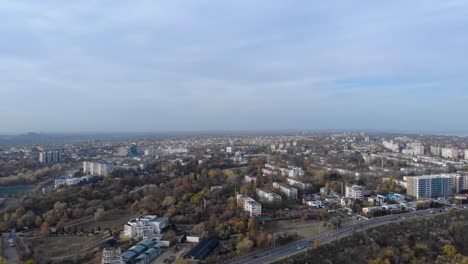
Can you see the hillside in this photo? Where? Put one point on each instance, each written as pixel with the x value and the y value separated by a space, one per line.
pixel 435 239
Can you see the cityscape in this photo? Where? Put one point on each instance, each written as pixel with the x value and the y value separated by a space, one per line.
pixel 234 132
pixel 225 198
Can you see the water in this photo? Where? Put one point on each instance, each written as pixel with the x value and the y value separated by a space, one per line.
pixel 14 189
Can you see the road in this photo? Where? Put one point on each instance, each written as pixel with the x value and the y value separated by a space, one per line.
pixel 274 254
pixel 10 253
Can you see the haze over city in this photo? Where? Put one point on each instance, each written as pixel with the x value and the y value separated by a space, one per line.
pixel 242 65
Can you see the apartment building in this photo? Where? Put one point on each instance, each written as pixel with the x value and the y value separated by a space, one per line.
pixel 354 192
pixel 97 169
pixel 267 196
pixel 249 205
pixel 299 184
pixel 436 151
pixel 460 182
pixel 449 153
pixel 289 191
pixel 429 186
pixel 50 157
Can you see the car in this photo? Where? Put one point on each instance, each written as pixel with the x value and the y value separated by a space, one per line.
pixel 255 256
pixel 300 247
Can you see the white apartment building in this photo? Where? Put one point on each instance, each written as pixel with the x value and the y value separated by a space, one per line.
pixel 299 184
pixel 436 151
pixel 250 205
pixel 289 191
pixel 295 172
pixel 354 192
pixel 51 156
pixel 450 153
pixel 67 182
pixel 267 196
pixel 466 154
pixel 395 147
pixel 229 150
pixel 97 169
pixel 418 149
pixel 144 227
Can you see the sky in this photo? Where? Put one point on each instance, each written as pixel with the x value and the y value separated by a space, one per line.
pixel 144 66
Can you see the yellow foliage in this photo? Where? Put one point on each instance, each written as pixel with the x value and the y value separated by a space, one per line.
pixel 420 246
pixel 449 250
pixel 379 261
pixel 388 252
pixel 125 239
pixel 316 244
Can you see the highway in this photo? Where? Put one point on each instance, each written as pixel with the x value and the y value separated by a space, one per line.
pixel 275 254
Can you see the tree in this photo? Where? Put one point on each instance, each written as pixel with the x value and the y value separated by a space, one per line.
pixel 252 225
pixel 316 244
pixel 45 229
pixel 449 250
pixel 169 201
pixel 245 245
pixel 324 215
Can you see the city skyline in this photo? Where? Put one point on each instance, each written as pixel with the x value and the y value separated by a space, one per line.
pixel 243 66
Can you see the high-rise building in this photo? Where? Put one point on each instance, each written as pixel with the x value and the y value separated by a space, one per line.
pixel 50 157
pixel 466 154
pixel 460 182
pixel 436 151
pixel 450 153
pixel 97 169
pixel 430 186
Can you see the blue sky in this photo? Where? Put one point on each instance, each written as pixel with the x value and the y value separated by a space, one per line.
pixel 86 66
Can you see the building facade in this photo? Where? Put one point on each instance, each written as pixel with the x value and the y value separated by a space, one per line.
pixel 97 169
pixel 299 184
pixel 145 227
pixel 354 192
pixel 436 151
pixel 267 196
pixel 450 153
pixel 289 191
pixel 430 186
pixel 460 182
pixel 249 205
pixel 50 157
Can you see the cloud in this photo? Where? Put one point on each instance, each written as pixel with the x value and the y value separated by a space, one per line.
pixel 228 65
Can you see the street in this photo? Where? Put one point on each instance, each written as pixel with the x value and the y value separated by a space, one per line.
pixel 271 255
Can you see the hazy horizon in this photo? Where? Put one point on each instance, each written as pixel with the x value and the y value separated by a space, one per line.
pixel 75 67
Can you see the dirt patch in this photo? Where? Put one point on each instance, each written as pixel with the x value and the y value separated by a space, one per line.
pixel 304 229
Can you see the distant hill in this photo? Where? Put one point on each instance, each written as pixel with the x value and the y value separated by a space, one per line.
pixel 441 239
